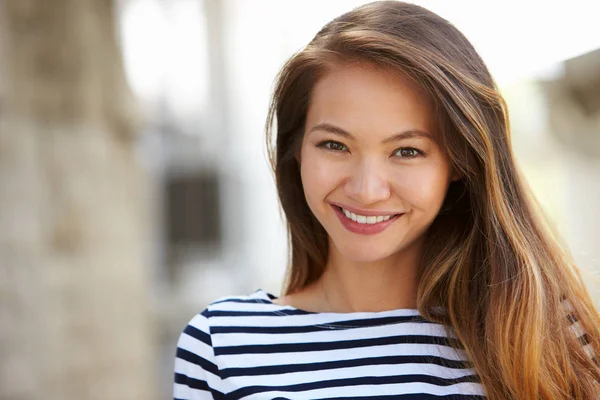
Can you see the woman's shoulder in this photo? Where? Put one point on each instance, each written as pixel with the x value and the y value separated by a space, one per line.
pixel 199 344
pixel 246 304
pixel 223 309
pixel 225 313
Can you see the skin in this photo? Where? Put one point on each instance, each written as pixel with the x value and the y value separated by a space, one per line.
pixel 366 168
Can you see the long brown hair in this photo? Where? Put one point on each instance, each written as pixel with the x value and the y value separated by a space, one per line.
pixel 491 261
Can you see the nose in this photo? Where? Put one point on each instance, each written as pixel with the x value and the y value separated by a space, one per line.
pixel 367 184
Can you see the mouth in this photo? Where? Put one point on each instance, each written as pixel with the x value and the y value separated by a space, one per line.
pixel 370 219
pixel 365 224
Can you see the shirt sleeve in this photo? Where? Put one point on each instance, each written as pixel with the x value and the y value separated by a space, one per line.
pixel 196 372
pixel 577 329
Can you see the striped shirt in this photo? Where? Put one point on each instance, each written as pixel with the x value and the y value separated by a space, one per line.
pixel 247 347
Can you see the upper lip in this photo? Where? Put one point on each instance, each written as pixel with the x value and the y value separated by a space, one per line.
pixel 367 213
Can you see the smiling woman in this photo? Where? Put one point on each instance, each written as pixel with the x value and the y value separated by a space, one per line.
pixel 355 167
pixel 420 267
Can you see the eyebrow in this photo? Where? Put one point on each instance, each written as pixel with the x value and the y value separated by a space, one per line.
pixel 336 130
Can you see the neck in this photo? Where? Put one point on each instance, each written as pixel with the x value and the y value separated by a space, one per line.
pixel 388 284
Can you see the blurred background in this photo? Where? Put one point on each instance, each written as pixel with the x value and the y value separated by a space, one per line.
pixel 134 183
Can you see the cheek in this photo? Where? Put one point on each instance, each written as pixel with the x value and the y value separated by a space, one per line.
pixel 423 186
pixel 319 176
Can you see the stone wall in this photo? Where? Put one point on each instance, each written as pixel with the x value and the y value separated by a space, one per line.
pixel 74 318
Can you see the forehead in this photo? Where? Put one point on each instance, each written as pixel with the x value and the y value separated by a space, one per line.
pixel 369 101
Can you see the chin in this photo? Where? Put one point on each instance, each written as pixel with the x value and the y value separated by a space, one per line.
pixel 365 253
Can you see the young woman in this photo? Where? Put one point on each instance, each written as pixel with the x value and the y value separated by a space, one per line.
pixel 420 266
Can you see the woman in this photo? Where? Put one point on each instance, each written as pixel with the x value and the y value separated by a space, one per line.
pixel 420 266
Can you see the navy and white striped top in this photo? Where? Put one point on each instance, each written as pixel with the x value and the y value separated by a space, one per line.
pixel 247 347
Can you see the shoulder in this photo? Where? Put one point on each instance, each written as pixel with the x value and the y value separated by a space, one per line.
pixel 238 305
pixel 256 303
pixel 207 330
pixel 197 371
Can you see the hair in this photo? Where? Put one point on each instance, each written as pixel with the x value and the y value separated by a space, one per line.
pixel 492 270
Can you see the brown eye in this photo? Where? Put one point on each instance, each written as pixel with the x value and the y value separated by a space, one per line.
pixel 333 146
pixel 407 152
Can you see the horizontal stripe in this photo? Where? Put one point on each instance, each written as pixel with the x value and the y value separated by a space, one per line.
pixel 198 334
pixel 197 384
pixel 272 313
pixel 340 325
pixel 321 366
pixel 367 391
pixel 325 335
pixel 334 345
pixel 197 360
pixel 248 347
pixel 242 301
pixel 368 380
pixel 357 372
pixel 418 396
pixel 584 339
pixel 249 361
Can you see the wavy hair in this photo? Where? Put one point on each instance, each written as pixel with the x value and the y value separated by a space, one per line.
pixel 493 271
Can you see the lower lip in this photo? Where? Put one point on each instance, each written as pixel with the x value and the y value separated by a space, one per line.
pixel 363 229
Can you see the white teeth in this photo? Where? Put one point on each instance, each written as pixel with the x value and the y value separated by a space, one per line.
pixel 363 219
pixel 350 215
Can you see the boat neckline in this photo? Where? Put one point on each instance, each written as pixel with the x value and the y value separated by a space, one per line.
pixel 269 297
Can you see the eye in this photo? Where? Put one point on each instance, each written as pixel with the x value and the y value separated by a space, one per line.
pixel 408 152
pixel 332 145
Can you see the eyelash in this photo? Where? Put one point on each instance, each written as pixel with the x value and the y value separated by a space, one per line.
pixel 327 143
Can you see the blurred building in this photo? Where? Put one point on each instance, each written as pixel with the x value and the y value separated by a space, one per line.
pixel 218 230
pixel 74 315
pixel 572 104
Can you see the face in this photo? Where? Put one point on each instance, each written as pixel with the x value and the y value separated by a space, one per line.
pixel 371 170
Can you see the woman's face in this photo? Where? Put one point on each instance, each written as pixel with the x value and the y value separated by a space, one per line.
pixel 372 172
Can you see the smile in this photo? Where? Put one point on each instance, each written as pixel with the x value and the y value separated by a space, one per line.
pixel 364 224
pixel 364 219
